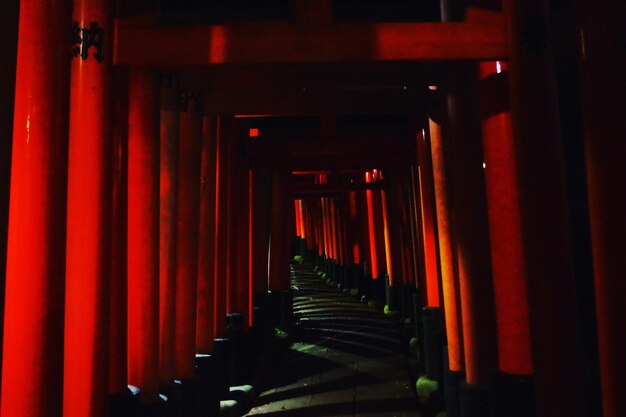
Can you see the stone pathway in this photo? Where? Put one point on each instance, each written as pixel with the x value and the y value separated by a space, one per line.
pixel 345 361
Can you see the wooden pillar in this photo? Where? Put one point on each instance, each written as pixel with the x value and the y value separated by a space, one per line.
pixel 554 329
pixel 279 242
pixel 371 229
pixel 190 139
pixel 35 269
pixel 387 235
pixel 221 218
pixel 260 228
pixel 447 254
pixel 242 234
pixel 603 53
pixel 429 219
pixel 168 209
pixel 143 233
pixel 89 203
pixel 505 234
pixel 206 244
pixel 469 222
pixel 118 368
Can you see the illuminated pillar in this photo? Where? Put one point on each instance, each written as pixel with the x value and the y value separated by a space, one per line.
pixel 371 228
pixel 143 233
pixel 505 234
pixel 554 329
pixel 206 244
pixel 603 118
pixel 429 221
pixel 449 277
pixel 168 207
pixel 89 213
pixel 35 270
pixel 469 222
pixel 118 368
pixel 190 139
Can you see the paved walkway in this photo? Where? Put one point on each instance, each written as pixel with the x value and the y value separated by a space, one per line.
pixel 345 360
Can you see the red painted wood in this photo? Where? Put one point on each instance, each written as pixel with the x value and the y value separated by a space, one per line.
pixel 603 54
pixel 88 252
pixel 449 278
pixel 190 139
pixel 280 236
pixel 507 253
pixel 469 221
pixel 387 236
pixel 231 222
pixel 283 43
pixel 206 244
pixel 118 368
pixel 372 236
pixel 429 220
pixel 33 330
pixel 168 209
pixel 554 328
pixel 221 219
pixel 143 233
pixel 242 234
pixel 260 228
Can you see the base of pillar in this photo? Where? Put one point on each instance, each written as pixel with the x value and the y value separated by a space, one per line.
pixel 125 404
pixel 190 397
pixel 433 361
pixel 206 370
pixel 475 400
pixel 223 358
pixel 378 293
pixel 514 396
pixel 451 382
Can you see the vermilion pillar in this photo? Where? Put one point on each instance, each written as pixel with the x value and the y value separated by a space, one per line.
pixel 505 234
pixel 371 228
pixel 221 218
pixel 206 243
pixel 449 278
pixel 429 220
pixel 554 329
pixel 279 242
pixel 35 275
pixel 259 229
pixel 603 110
pixel 469 222
pixel 143 233
pixel 387 232
pixel 168 208
pixel 118 368
pixel 190 140
pixel 89 213
pixel 241 236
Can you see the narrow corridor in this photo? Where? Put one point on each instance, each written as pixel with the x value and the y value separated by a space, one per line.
pixel 345 359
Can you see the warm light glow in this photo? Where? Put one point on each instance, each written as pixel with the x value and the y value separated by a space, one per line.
pixel 254 132
pixel 498 67
pixel 433 88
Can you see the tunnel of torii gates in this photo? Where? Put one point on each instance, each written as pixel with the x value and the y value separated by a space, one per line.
pixel 161 177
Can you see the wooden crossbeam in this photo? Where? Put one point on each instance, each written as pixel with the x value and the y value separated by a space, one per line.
pixel 280 43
